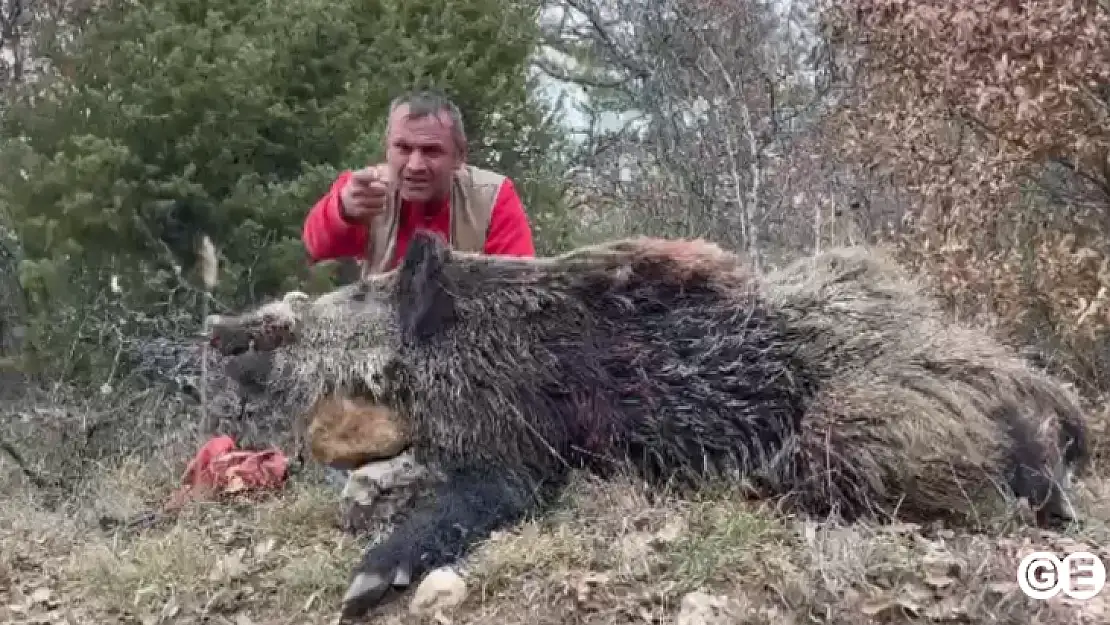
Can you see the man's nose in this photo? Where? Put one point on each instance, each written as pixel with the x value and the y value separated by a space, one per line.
pixel 416 161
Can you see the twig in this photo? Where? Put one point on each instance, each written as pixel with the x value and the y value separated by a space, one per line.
pixel 34 476
pixel 209 274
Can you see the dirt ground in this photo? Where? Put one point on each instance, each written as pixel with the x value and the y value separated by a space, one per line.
pixel 606 556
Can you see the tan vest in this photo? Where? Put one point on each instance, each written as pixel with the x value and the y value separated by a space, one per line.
pixel 473 192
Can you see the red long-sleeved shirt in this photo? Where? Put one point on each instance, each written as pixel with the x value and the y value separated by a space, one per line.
pixel 327 235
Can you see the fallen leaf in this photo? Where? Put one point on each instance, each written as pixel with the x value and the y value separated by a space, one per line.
pixel 585 585
pixel 143 592
pixel 228 567
pixel 890 607
pixel 170 610
pixel 263 548
pixel 1002 588
pixel 937 581
pixel 41 595
pixel 947 611
pixel 875 607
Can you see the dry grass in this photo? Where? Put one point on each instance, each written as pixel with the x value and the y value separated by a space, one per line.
pixel 608 555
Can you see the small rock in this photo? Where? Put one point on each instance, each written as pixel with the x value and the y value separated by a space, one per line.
pixel 370 480
pixel 442 589
pixel 699 608
pixel 261 550
pixel 585 585
pixel 41 596
pixel 377 491
pixel 671 532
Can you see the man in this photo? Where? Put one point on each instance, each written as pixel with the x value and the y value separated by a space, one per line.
pixel 370 214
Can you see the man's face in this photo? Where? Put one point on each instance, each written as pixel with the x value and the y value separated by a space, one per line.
pixel 421 154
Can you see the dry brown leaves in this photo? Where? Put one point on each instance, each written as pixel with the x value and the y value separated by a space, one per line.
pixel 962 103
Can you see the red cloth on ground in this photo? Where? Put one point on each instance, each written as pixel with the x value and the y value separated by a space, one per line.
pixel 219 469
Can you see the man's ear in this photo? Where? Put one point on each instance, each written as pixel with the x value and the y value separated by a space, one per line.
pixel 424 304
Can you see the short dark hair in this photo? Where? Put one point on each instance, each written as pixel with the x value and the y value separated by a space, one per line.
pixel 423 103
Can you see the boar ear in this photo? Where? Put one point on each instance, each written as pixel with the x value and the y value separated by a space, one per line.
pixel 424 305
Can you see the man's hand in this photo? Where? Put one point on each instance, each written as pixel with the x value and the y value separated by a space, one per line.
pixel 364 196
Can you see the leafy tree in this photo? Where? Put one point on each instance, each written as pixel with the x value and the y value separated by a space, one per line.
pixel 995 116
pixel 706 93
pixel 183 117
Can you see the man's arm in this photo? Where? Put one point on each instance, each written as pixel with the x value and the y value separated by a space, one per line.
pixel 326 234
pixel 509 233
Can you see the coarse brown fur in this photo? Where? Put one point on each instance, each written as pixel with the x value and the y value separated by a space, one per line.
pixel 834 385
pixel 890 353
